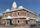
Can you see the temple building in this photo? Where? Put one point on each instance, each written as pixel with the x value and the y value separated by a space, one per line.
pixel 18 16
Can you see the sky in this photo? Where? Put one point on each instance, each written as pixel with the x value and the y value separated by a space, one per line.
pixel 33 5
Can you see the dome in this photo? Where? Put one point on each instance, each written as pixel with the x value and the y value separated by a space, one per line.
pixel 20 7
pixel 14 5
pixel 7 10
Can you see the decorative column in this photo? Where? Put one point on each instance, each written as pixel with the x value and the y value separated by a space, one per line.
pixel 6 23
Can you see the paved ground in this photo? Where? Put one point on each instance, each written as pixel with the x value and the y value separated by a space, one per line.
pixel 19 27
pixel 27 26
pixel 15 27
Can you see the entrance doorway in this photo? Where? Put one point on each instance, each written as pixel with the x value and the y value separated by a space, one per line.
pixel 11 22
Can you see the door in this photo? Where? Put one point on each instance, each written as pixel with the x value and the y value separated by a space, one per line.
pixel 11 22
pixel 8 22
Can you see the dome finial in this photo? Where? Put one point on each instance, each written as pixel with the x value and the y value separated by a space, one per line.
pixel 14 5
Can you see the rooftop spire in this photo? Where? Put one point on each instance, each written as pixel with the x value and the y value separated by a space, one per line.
pixel 14 5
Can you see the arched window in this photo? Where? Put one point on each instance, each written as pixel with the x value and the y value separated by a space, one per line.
pixel 18 21
pixel 26 22
pixel 18 13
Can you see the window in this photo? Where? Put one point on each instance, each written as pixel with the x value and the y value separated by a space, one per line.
pixel 18 13
pixel 26 22
pixel 18 21
pixel 5 15
pixel 27 11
